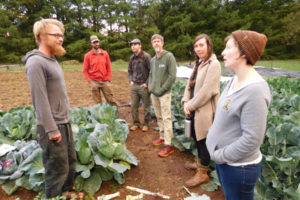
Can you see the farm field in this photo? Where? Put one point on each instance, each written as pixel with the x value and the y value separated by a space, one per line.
pixel 71 65
pixel 165 175
pixel 292 65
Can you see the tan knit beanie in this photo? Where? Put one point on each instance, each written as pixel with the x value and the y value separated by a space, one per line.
pixel 251 43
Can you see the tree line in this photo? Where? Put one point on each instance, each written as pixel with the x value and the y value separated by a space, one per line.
pixel 116 22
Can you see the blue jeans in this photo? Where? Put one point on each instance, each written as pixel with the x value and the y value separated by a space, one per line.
pixel 238 182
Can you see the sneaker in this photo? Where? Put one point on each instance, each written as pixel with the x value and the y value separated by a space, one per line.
pixel 158 142
pixel 168 150
pixel 145 128
pixel 133 128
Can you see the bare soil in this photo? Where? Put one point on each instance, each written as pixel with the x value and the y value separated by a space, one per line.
pixel 164 175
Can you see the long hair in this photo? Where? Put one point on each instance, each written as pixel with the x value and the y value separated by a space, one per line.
pixel 209 44
pixel 198 61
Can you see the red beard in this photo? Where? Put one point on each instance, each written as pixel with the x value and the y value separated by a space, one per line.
pixel 57 50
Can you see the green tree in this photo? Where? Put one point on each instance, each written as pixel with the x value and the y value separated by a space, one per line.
pixel 179 21
pixel 95 15
pixel 292 29
pixel 20 18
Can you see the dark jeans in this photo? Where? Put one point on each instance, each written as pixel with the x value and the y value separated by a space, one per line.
pixel 138 92
pixel 238 182
pixel 59 161
pixel 203 153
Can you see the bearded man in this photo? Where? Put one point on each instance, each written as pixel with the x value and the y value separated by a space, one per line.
pixel 49 98
pixel 97 71
pixel 138 72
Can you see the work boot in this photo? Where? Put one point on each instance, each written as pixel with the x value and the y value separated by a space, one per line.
pixel 199 178
pixel 134 128
pixel 145 128
pixel 192 165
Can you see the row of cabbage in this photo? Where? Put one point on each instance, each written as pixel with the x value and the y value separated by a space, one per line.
pixel 99 138
pixel 281 148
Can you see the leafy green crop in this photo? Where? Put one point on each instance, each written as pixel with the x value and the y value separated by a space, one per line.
pixel 25 167
pixel 178 117
pixel 281 147
pixel 99 138
pixel 18 123
pixel 100 144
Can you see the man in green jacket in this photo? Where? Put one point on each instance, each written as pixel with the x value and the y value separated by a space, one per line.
pixel 161 78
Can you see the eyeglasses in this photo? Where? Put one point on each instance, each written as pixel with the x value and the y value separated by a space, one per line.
pixel 56 35
pixel 95 42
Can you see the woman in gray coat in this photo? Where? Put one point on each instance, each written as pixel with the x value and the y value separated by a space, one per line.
pixel 238 130
pixel 199 102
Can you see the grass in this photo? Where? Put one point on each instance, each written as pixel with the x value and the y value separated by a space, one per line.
pixel 116 65
pixel 293 65
pixel 17 67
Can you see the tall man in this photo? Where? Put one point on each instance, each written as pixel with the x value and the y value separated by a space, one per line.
pixel 162 76
pixel 138 72
pixel 49 98
pixel 97 71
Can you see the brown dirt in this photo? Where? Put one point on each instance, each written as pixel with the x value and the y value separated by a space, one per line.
pixel 164 175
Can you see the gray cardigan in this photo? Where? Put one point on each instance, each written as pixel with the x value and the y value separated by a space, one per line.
pixel 48 90
pixel 239 124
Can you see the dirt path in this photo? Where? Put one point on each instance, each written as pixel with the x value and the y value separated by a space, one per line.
pixel 165 175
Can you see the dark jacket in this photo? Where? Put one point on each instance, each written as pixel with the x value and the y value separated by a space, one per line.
pixel 139 67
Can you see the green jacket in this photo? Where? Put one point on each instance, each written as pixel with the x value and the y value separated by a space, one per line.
pixel 162 73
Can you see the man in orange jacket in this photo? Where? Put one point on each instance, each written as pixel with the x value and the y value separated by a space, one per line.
pixel 97 71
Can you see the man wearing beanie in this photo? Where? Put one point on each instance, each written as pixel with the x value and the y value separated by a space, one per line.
pixel 238 130
pixel 97 71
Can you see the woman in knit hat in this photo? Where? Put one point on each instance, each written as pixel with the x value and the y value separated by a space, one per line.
pixel 199 101
pixel 238 130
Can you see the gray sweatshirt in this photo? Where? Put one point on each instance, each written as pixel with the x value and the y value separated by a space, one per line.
pixel 48 90
pixel 239 124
